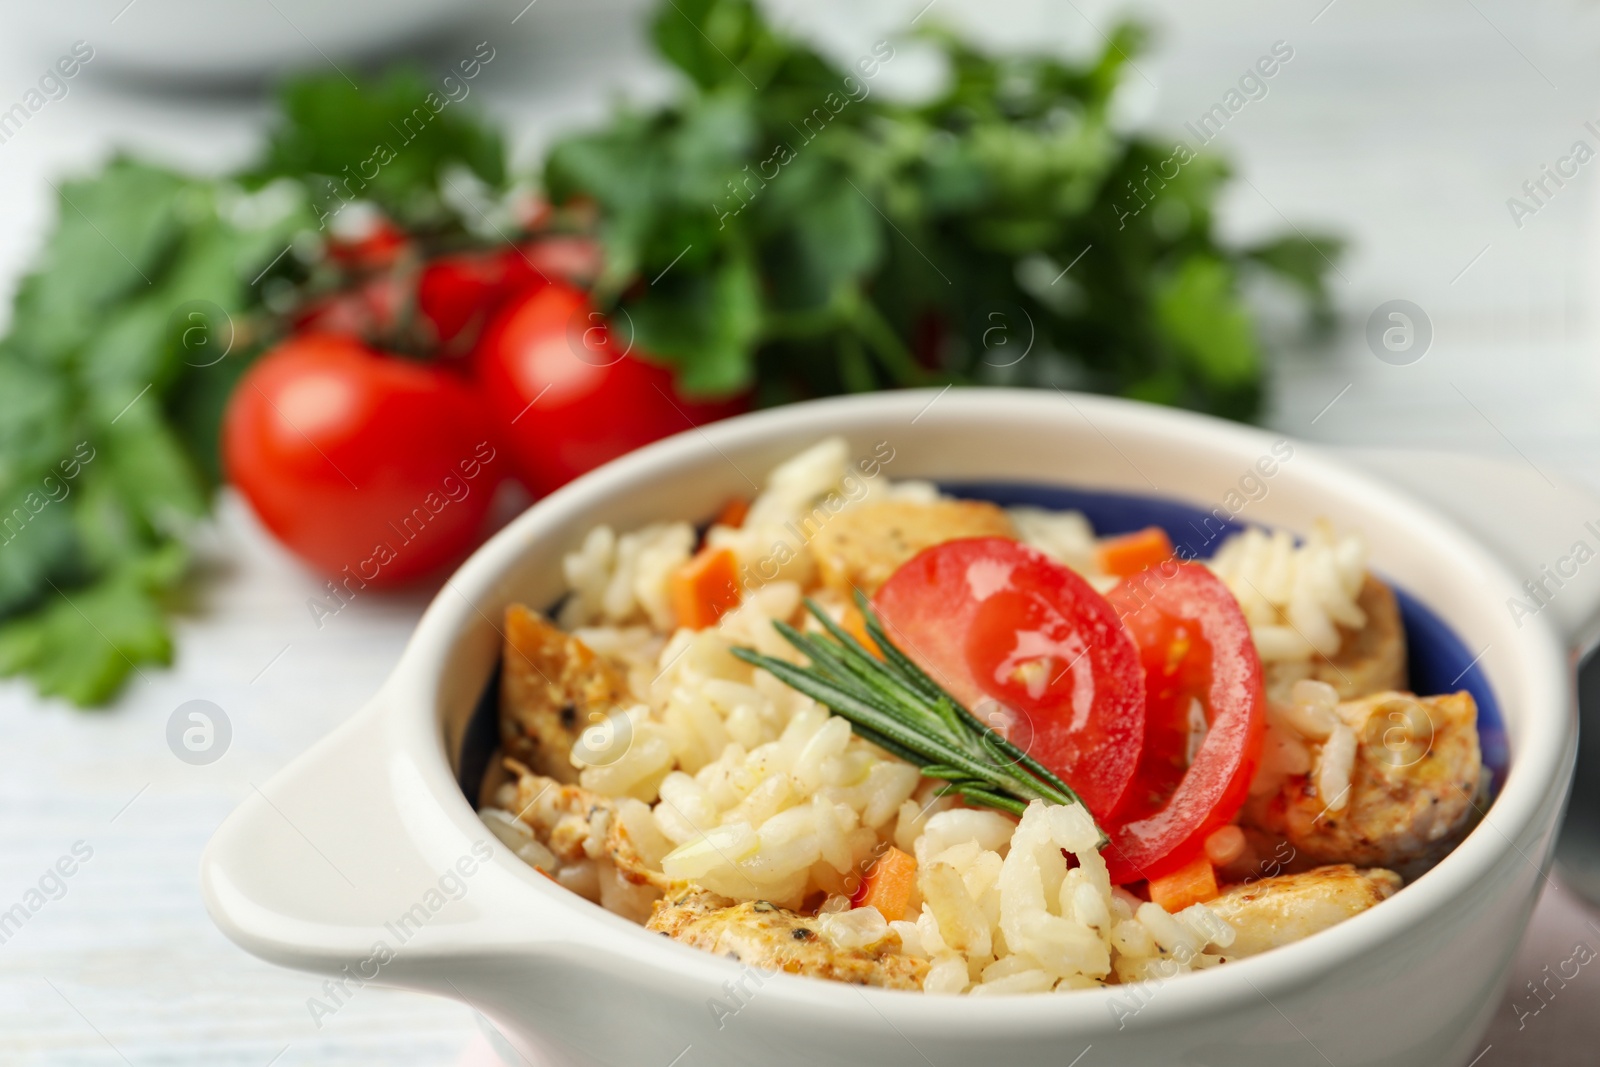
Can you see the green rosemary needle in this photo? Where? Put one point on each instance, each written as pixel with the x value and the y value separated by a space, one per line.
pixel 892 703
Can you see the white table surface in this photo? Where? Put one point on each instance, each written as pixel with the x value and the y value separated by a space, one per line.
pixel 1405 129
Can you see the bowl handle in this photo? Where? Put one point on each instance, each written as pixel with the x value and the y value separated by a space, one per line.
pixel 347 849
pixel 1533 522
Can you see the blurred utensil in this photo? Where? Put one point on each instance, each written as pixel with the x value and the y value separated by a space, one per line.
pixel 244 40
pixel 1578 850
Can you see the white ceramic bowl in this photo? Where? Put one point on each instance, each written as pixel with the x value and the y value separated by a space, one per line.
pixel 322 868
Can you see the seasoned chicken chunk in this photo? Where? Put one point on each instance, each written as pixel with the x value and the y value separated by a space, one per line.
pixel 1371 658
pixel 603 848
pixel 553 687
pixel 575 823
pixel 775 939
pixel 859 548
pixel 1412 785
pixel 1289 907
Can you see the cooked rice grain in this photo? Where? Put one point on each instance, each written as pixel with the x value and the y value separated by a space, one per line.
pixel 726 778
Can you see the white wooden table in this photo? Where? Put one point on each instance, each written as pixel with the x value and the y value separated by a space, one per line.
pixel 1405 129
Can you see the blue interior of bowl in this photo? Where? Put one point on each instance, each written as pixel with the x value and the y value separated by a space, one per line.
pixel 1440 662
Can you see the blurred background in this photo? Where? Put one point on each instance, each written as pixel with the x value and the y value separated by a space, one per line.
pixel 1403 153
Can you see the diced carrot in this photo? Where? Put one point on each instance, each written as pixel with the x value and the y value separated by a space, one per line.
pixel 733 513
pixel 705 587
pixel 855 624
pixel 1193 883
pixel 889 885
pixel 1131 553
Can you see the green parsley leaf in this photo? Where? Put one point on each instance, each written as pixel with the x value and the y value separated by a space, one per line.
pixel 1201 314
pixel 783 222
pixel 147 303
pixel 97 486
pixel 390 141
pixel 81 645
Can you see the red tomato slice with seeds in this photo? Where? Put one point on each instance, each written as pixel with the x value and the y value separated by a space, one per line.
pixel 1203 718
pixel 1030 648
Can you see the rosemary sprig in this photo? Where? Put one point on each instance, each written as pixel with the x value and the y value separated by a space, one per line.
pixel 894 704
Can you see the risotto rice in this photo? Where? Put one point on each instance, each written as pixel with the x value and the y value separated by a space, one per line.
pixel 716 775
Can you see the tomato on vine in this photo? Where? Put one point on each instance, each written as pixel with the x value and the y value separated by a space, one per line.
pixel 368 467
pixel 567 394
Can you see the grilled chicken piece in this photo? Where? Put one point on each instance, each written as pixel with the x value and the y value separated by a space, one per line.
pixel 775 939
pixel 861 547
pixel 1370 660
pixel 1412 787
pixel 577 824
pixel 552 689
pixel 606 850
pixel 1289 907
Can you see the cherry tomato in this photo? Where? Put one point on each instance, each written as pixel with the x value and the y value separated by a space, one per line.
pixel 567 396
pixel 1032 649
pixel 369 468
pixel 459 293
pixel 370 309
pixel 375 245
pixel 1203 721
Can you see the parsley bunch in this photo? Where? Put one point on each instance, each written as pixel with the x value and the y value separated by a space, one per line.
pixel 784 225
pixel 147 302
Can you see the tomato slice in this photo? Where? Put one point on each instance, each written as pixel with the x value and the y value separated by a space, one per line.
pixel 1203 718
pixel 1030 648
